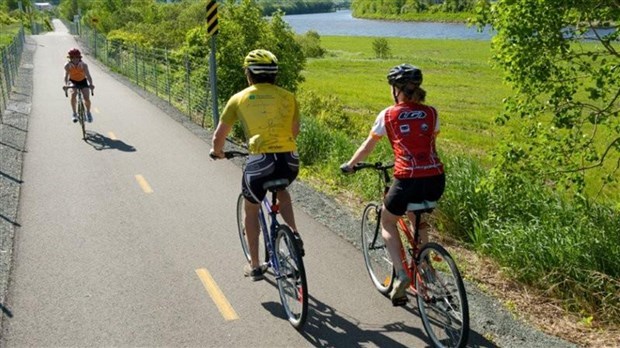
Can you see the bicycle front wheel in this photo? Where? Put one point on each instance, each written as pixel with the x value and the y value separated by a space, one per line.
pixel 442 299
pixel 291 277
pixel 376 255
pixel 81 118
pixel 262 254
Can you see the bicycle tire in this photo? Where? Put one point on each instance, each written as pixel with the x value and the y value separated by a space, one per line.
pixel 376 256
pixel 292 282
pixel 262 254
pixel 82 118
pixel 442 299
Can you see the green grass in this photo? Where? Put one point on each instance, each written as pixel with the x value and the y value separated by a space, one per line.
pixel 567 250
pixel 458 78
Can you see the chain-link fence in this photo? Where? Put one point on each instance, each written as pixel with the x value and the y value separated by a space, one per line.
pixel 11 56
pixel 179 79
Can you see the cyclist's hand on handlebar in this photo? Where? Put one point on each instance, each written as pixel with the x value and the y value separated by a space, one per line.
pixel 215 155
pixel 346 168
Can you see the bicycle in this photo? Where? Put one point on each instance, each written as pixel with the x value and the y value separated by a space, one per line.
pixel 436 280
pixel 81 108
pixel 280 251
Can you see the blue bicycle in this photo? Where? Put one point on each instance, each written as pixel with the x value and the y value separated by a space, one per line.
pixel 280 251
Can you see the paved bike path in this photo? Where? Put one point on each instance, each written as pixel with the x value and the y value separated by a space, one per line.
pixel 99 261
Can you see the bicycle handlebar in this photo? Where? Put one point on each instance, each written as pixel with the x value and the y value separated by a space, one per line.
pixel 230 154
pixel 65 88
pixel 377 166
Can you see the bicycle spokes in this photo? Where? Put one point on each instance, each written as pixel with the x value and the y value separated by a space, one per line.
pixel 441 297
pixel 291 277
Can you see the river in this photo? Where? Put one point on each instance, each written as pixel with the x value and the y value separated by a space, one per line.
pixel 342 23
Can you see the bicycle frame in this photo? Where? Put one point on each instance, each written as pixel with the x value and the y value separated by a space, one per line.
pixel 269 232
pixel 81 108
pixel 412 238
pixel 435 279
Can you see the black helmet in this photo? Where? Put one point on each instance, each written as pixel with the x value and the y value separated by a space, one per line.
pixel 403 74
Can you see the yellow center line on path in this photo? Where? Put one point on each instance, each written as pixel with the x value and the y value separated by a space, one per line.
pixel 216 295
pixel 112 135
pixel 143 184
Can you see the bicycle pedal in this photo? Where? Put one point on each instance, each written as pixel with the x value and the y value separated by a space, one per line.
pixel 399 302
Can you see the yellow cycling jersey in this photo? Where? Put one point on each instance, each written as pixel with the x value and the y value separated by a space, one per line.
pixel 267 113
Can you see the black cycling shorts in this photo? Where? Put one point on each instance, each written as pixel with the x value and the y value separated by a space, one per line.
pixel 83 83
pixel 415 190
pixel 265 167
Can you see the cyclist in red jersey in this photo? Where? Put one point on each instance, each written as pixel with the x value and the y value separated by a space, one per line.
pixel 411 128
pixel 77 74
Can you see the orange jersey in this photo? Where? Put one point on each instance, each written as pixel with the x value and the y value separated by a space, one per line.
pixel 76 71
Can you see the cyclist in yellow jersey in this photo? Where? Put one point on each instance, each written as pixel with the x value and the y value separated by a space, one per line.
pixel 270 118
pixel 77 74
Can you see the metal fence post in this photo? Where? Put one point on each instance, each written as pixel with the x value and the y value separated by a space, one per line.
pixel 188 87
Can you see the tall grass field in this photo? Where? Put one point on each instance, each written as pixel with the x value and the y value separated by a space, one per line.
pixel 569 251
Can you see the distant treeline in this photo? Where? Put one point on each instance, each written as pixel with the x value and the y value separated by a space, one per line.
pixel 302 6
pixel 400 7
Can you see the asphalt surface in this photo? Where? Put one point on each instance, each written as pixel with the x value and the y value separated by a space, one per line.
pixel 488 318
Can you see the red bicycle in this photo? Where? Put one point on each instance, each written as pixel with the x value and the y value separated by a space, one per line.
pixel 436 281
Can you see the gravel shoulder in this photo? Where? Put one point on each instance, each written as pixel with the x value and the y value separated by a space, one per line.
pixel 488 317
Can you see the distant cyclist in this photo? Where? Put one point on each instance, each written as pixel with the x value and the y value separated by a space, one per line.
pixel 411 128
pixel 270 118
pixel 77 74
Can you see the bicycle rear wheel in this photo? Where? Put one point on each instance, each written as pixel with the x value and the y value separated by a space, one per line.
pixel 376 256
pixel 442 299
pixel 292 283
pixel 262 254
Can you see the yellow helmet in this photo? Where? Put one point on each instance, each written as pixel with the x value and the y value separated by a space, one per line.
pixel 261 62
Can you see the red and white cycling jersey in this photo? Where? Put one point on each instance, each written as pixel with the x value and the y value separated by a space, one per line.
pixel 412 129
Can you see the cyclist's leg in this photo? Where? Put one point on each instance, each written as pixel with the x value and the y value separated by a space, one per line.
pixel 252 230
pixel 390 234
pixel 287 166
pixel 256 171
pixel 424 227
pixel 286 209
pixel 395 205
pixel 86 95
pixel 74 101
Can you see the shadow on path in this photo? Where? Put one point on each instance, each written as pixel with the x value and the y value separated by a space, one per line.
pixel 327 327
pixel 101 142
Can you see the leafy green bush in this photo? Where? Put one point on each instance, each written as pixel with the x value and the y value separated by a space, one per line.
pixel 310 44
pixel 381 47
pixel 327 110
pixel 568 248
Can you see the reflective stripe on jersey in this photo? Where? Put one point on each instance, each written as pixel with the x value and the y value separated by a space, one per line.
pixel 267 113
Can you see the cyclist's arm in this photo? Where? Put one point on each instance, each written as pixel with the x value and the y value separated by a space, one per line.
pixel 364 150
pixel 88 77
pixel 67 74
pixel 377 131
pixel 296 122
pixel 219 139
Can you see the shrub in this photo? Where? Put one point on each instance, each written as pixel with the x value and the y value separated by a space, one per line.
pixel 381 47
pixel 311 44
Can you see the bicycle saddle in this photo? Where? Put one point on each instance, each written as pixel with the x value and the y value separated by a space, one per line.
pixel 424 206
pixel 276 185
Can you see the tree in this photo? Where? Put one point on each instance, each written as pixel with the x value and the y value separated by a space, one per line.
pixel 562 59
